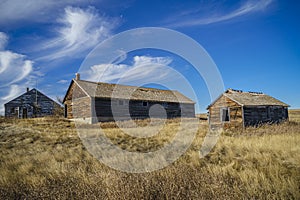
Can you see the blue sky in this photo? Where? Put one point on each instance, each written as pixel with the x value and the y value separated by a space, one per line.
pixel 255 44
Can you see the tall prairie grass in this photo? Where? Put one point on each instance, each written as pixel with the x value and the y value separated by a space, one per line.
pixel 45 159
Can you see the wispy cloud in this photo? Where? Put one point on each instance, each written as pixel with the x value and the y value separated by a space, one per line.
pixel 144 70
pixel 79 30
pixel 15 70
pixel 63 81
pixel 14 91
pixel 3 40
pixel 148 68
pixel 195 17
pixel 14 67
pixel 19 11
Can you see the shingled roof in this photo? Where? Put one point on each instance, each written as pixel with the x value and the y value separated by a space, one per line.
pixel 251 98
pixel 106 90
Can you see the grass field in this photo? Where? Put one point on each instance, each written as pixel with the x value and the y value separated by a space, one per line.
pixel 44 158
pixel 294 115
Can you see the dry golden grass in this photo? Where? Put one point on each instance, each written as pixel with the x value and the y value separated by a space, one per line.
pixel 294 115
pixel 44 158
pixel 202 116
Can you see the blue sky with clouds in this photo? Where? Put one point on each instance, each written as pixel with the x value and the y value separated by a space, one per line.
pixel 255 44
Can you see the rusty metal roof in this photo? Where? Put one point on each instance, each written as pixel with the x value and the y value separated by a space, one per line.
pixel 108 90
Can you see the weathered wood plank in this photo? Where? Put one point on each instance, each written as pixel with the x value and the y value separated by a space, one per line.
pixel 33 103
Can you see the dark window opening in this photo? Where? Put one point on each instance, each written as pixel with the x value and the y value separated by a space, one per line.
pixel 12 110
pixel 145 103
pixel 224 114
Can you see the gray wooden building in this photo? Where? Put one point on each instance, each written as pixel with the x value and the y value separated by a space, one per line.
pixel 32 103
pixel 97 102
pixel 235 108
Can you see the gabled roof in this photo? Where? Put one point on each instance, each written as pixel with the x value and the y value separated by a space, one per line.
pixel 32 92
pixel 108 90
pixel 251 98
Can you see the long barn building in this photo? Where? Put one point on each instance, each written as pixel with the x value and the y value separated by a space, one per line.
pixel 235 108
pixel 93 102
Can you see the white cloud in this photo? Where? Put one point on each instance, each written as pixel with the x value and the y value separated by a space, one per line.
pixel 144 70
pixel 3 40
pixel 80 30
pixel 151 69
pixel 17 11
pixel 194 18
pixel 63 81
pixel 14 91
pixel 15 70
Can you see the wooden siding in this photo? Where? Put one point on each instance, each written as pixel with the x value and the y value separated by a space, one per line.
pixel 136 110
pixel 188 110
pixel 75 92
pixel 31 104
pixel 103 110
pixel 77 99
pixel 235 114
pixel 81 107
pixel 255 115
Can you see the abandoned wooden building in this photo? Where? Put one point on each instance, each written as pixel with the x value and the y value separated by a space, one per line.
pixel 31 104
pixel 235 108
pixel 93 102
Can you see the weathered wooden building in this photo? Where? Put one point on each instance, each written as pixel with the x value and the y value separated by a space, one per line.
pixel 235 108
pixel 97 102
pixel 32 103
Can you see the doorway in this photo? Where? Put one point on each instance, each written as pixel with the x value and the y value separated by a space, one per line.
pixel 24 113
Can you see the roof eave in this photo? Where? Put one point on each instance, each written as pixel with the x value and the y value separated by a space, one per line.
pixel 19 96
pixel 267 105
pixel 154 100
pixel 220 97
pixel 67 91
